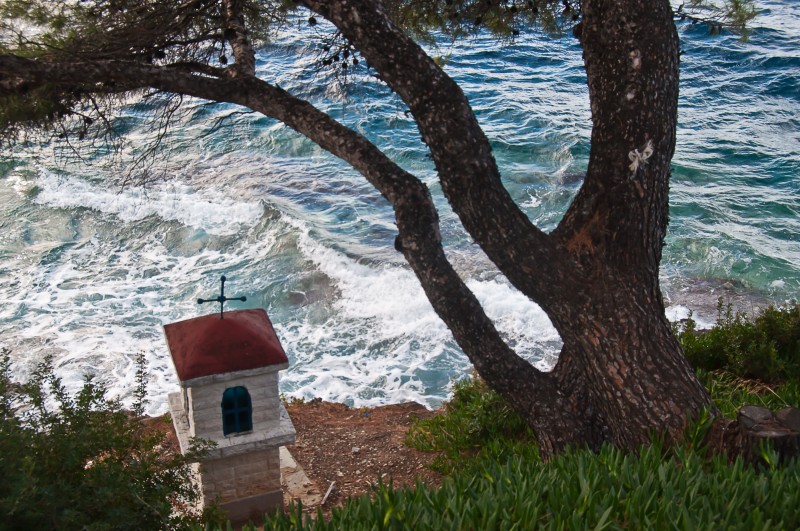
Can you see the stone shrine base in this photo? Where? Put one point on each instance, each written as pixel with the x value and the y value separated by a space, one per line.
pixel 253 508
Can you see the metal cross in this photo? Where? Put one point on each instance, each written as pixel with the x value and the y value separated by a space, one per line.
pixel 222 298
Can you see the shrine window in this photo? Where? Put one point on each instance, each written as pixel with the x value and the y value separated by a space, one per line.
pixel 237 411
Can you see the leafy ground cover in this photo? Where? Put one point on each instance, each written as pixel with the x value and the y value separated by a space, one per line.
pixel 765 347
pixel 743 360
pixel 581 490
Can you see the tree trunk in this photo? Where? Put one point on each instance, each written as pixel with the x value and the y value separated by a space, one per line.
pixel 613 323
pixel 636 380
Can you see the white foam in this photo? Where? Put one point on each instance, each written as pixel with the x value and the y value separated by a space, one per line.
pixel 19 183
pixel 678 312
pixel 383 341
pixel 99 301
pixel 532 202
pixel 213 213
pixel 522 322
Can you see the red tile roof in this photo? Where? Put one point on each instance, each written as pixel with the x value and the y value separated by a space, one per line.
pixel 208 345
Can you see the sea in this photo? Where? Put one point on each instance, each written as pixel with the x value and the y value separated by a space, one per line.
pixel 92 265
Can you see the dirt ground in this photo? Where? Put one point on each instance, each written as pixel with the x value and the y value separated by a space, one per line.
pixel 354 446
pixel 348 448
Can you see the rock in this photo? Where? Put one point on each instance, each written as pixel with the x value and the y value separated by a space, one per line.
pixel 790 418
pixel 752 416
pixel 355 449
pixel 297 298
pixel 758 426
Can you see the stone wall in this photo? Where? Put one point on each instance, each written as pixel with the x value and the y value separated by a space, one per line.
pixel 241 476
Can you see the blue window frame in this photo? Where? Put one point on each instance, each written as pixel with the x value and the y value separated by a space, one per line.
pixel 237 410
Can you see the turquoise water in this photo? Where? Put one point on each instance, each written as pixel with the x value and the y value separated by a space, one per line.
pixel 90 270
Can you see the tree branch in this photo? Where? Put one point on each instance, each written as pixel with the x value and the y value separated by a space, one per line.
pixel 620 213
pixel 460 150
pixel 236 35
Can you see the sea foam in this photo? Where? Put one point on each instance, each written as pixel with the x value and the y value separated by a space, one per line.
pixel 172 201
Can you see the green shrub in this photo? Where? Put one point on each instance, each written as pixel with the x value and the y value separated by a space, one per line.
pixel 83 462
pixel 765 348
pixel 475 423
